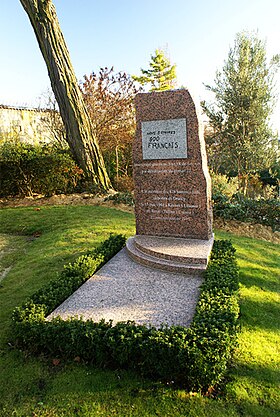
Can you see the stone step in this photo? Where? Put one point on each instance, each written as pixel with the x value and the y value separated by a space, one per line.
pixel 186 251
pixel 141 252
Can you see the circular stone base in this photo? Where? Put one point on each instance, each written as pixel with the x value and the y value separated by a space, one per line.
pixel 172 254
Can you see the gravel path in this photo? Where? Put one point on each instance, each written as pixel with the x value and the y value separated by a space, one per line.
pixel 125 290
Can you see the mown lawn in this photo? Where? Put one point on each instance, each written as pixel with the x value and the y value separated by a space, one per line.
pixel 37 243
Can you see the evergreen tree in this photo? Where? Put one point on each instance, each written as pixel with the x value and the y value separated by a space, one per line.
pixel 241 140
pixel 161 75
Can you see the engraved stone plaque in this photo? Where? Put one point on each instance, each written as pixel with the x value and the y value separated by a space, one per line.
pixel 164 139
pixel 172 183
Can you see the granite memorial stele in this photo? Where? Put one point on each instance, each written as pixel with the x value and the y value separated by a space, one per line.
pixel 172 184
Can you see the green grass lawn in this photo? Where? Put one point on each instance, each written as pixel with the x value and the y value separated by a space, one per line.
pixel 37 243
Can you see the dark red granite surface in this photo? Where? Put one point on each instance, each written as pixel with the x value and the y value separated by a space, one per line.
pixel 172 196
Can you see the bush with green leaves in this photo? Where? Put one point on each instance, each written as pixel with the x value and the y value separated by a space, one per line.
pixel 121 198
pixel 72 277
pixel 196 357
pixel 223 185
pixel 266 212
pixel 28 169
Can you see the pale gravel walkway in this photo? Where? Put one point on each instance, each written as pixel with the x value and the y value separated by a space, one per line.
pixel 125 290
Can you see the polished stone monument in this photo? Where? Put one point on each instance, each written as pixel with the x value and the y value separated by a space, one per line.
pixel 172 184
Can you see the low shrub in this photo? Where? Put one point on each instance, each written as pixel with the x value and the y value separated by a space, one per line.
pixel 266 212
pixel 71 278
pixel 222 184
pixel 121 198
pixel 123 184
pixel 28 169
pixel 196 357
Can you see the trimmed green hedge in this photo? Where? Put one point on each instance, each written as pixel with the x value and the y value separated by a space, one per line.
pixel 44 301
pixel 195 357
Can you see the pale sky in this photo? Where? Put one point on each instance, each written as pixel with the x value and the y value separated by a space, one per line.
pixel 124 34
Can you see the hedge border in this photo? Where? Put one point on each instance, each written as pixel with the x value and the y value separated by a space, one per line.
pixel 196 357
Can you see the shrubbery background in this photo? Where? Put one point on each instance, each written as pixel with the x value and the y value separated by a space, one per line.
pixel 28 169
pixel 229 204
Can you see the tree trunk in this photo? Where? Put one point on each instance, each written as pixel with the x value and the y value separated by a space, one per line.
pixel 117 162
pixel 79 130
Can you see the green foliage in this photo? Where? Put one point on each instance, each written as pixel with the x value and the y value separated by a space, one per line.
pixel 161 75
pixel 261 185
pixel 43 169
pixel 196 357
pixel 34 385
pixel 266 212
pixel 240 140
pixel 72 277
pixel 121 198
pixel 109 247
pixel 221 184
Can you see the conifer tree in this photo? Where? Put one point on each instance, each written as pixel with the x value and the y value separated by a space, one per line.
pixel 241 139
pixel 161 75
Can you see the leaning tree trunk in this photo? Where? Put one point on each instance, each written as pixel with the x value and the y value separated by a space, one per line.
pixel 79 130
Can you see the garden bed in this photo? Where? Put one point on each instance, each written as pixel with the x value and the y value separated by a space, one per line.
pixel 195 357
